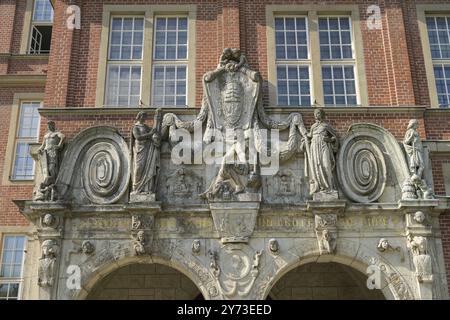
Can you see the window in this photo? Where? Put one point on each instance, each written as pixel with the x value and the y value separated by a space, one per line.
pixel 338 64
pixel 293 61
pixel 27 132
pixel 170 60
pixel 315 56
pixel 125 61
pixel 11 269
pixel 41 27
pixel 439 39
pixel 147 56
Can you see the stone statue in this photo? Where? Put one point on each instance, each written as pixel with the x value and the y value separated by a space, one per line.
pixel 414 151
pixel 139 243
pixel 421 258
pixel 321 144
pixel 232 105
pixel 49 159
pixel 47 263
pixel 146 144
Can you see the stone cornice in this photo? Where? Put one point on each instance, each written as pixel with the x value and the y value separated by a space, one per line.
pixel 271 110
pixel 14 56
pixel 9 80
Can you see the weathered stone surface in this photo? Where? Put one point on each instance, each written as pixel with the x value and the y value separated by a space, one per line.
pixel 250 235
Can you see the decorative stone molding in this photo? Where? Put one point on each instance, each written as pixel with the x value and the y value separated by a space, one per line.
pixel 96 167
pixel 368 159
pixel 235 269
pixel 384 247
pixel 326 232
pixel 234 221
pixel 273 247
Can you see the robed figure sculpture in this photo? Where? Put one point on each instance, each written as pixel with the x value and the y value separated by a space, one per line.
pixel 145 145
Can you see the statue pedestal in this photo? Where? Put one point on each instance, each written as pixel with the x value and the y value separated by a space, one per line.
pixel 142 197
pixel 326 196
pixel 235 220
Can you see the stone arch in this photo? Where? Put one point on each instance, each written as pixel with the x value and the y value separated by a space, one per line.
pixel 108 268
pixel 356 256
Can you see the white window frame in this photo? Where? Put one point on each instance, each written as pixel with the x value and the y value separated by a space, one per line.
pixel 441 62
pixel 170 63
pixel 296 62
pixel 341 62
pixel 35 24
pixel 20 280
pixel 131 62
pixel 18 139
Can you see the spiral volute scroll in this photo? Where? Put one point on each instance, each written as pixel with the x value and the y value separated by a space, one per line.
pixel 103 172
pixel 362 170
pixel 96 167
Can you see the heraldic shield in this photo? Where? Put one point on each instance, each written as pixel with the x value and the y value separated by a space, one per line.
pixel 232 95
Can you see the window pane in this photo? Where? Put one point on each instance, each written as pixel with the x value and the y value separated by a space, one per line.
pixel 123 86
pixel 23 164
pixel 169 85
pixel 171 37
pixel 43 11
pixel 12 256
pixel 335 38
pixel 442 76
pixel 126 38
pixel 29 120
pixel 9 291
pixel 295 91
pixel 291 38
pixel 439 37
pixel 339 85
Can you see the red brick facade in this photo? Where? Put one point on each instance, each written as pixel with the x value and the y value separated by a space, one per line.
pixel 393 58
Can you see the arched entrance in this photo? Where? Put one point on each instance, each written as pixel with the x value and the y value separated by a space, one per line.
pixel 145 282
pixel 323 281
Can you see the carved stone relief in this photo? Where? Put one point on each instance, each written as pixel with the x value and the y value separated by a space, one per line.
pixel 96 168
pixel 421 258
pixel 235 268
pixel 326 232
pixel 370 161
pixel 47 263
pixel 183 186
pixel 384 246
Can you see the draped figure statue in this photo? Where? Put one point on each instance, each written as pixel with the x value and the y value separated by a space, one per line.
pixel 146 144
pixel 321 144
